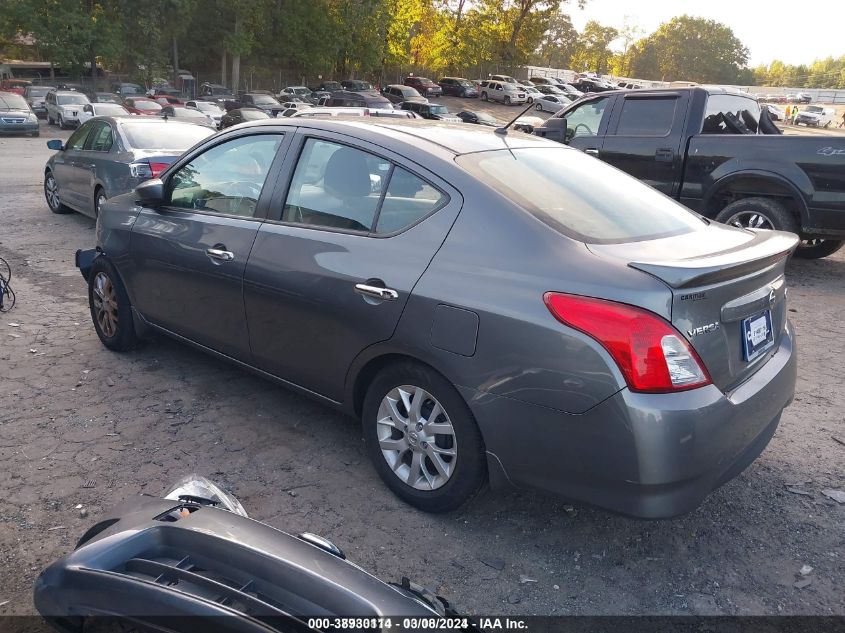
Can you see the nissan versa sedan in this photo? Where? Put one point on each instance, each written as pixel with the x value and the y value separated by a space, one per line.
pixel 109 155
pixel 490 306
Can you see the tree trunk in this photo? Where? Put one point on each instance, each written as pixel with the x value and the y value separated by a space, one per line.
pixel 175 63
pixel 223 69
pixel 236 72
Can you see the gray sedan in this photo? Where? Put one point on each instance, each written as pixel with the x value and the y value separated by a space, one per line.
pixel 550 103
pixel 108 156
pixel 491 306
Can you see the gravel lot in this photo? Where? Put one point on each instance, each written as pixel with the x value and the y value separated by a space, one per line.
pixel 82 425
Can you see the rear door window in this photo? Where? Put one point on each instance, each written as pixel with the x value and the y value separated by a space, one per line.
pixel 647 117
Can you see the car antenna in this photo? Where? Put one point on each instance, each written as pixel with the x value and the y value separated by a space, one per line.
pixel 503 131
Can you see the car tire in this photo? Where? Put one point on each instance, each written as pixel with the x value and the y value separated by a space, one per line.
pixel 110 309
pixel 61 122
pixel 484 96
pixel 816 249
pixel 759 213
pixel 50 120
pixel 539 107
pixel 507 100
pixel 457 480
pixel 99 199
pixel 51 193
pixel 530 99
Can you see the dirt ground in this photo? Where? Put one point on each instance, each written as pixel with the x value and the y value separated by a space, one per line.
pixel 80 425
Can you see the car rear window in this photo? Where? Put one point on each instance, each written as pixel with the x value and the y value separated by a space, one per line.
pixel 146 105
pixel 579 196
pixel 164 135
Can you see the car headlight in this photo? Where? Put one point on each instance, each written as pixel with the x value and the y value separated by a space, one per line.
pixel 32 118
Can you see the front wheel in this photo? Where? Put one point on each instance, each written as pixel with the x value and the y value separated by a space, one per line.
pixel 422 438
pixel 61 122
pixel 110 309
pixel 539 107
pixel 818 248
pixel 484 96
pixel 507 100
pixel 758 213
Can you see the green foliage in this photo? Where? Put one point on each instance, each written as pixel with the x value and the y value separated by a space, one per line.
pixel 822 73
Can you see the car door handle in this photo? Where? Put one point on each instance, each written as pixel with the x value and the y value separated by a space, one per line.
pixel 592 151
pixel 220 254
pixel 376 292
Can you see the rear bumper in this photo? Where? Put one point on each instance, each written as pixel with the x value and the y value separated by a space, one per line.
pixel 645 455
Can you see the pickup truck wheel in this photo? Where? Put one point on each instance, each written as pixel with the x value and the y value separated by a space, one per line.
pixel 758 213
pixel 816 249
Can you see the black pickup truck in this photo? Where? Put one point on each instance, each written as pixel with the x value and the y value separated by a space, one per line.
pixel 711 149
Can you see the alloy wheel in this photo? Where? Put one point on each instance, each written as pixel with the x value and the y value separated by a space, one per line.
pixel 51 189
pixel 750 220
pixel 416 437
pixel 105 304
pixel 98 202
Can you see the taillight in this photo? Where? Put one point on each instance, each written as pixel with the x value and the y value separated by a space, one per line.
pixel 157 168
pixel 651 354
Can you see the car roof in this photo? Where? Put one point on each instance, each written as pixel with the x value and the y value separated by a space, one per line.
pixel 421 133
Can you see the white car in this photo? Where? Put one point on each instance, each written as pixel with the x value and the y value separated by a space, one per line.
pixel 89 111
pixel 209 109
pixel 550 103
pixel 64 107
pixel 302 92
pixel 776 113
pixel 507 93
pixel 816 116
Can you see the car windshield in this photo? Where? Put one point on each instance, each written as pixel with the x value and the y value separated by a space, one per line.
pixel 37 92
pixel 188 112
pixel 301 91
pixel 264 100
pixel 146 105
pixel 163 135
pixel 815 109
pixel 12 101
pixel 583 198
pixel 359 85
pixel 252 115
pixel 110 109
pixel 438 109
pixel 71 99
pixel 409 92
pixel 465 83
pixel 207 106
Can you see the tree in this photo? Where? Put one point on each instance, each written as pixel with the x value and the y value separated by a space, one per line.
pixel 593 51
pixel 559 43
pixel 693 49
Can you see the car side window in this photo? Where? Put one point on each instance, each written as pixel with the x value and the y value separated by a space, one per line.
pixel 335 186
pixel 647 117
pixel 100 138
pixel 407 200
pixel 77 139
pixel 228 178
pixel 586 118
pixel 731 114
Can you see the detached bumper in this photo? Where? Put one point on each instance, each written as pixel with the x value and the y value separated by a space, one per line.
pixel 645 455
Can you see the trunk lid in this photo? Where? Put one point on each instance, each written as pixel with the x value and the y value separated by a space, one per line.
pixel 723 282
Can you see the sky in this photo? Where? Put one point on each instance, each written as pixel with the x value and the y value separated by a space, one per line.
pixel 795 35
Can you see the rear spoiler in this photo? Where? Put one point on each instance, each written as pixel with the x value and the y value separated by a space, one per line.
pixel 765 250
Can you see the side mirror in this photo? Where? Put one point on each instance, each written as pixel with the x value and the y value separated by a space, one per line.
pixel 151 192
pixel 56 144
pixel 555 129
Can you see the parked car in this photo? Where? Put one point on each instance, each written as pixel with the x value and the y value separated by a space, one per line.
pixel 90 110
pixel 542 81
pixel 776 113
pixel 425 86
pixel 588 85
pixel 701 146
pixel 63 107
pixel 16 86
pixel 550 89
pixel 126 89
pixel 433 111
pixel 142 106
pixel 803 97
pixel 188 114
pixel 551 103
pixel 458 87
pixel 265 102
pixel 507 79
pixel 397 93
pixel 36 98
pixel 215 93
pixel 241 115
pixel 570 91
pixel 815 116
pixel 328 86
pixel 479 118
pixel 106 97
pixel 165 100
pixel 445 283
pixel 208 108
pixel 525 82
pixel 507 93
pixel 363 99
pixel 108 156
pixel 531 93
pixel 300 92
pixel 16 117
pixel 328 112
pixel 356 85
